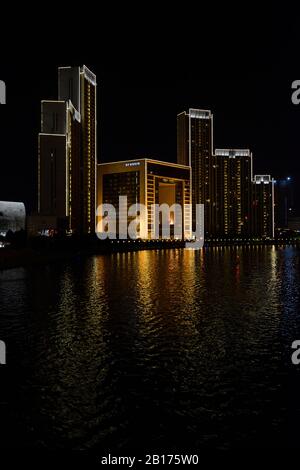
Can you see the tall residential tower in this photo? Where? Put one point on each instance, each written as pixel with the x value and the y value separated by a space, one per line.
pixel 263 206
pixel 67 152
pixel 194 148
pixel 233 170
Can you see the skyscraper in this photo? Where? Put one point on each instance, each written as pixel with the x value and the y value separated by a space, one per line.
pixel 194 148
pixel 233 172
pixel 263 206
pixel 67 152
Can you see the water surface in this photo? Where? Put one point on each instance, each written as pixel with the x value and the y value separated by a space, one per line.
pixel 152 350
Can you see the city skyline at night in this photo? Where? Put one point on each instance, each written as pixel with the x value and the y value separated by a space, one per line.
pixel 221 179
pixel 150 235
pixel 148 132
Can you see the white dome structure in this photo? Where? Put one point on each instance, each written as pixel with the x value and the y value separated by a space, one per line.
pixel 12 216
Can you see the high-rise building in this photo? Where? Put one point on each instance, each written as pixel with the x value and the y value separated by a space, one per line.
pixel 263 206
pixel 67 152
pixel 194 148
pixel 148 182
pixel 233 173
pixel 284 202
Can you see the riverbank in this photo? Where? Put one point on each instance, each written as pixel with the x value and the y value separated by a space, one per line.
pixel 48 251
pixel 62 250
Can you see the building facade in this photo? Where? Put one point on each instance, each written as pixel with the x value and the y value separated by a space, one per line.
pixel 67 168
pixel 148 182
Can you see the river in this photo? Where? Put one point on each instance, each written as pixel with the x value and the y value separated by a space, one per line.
pixel 163 350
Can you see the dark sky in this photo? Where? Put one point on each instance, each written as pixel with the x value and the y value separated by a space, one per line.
pixel 242 70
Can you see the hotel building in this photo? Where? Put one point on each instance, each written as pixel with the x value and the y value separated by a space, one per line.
pixel 148 182
pixel 67 169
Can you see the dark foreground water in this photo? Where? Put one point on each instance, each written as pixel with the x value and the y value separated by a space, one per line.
pixel 153 350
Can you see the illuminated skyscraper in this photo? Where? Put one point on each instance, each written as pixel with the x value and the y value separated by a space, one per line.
pixel 194 148
pixel 67 152
pixel 233 170
pixel 263 206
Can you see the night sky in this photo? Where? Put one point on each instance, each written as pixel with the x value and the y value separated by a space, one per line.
pixel 241 70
